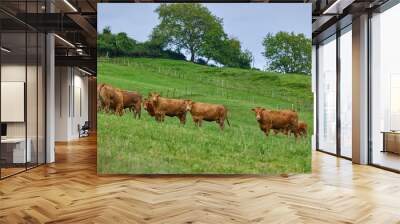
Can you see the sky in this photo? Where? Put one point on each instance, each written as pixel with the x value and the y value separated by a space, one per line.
pixel 248 22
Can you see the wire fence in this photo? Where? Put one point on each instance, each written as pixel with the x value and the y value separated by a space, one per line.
pixel 220 87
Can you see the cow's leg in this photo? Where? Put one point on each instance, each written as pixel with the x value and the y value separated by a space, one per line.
pixel 136 109
pixel 200 122
pixel 107 107
pixel 182 119
pixel 98 105
pixel 139 110
pixel 275 131
pixel 222 125
pixel 287 131
pixel 267 128
pixel 294 130
pixel 158 117
pixel 196 121
pixel 131 109
pixel 119 110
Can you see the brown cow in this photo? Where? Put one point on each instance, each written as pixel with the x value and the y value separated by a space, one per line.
pixel 112 99
pixel 133 101
pixel 277 120
pixel 99 102
pixel 209 112
pixel 169 107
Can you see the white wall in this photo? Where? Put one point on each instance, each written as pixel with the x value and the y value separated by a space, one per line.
pixel 62 81
pixel 70 83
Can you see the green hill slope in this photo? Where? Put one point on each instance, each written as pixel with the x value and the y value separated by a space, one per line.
pixel 127 145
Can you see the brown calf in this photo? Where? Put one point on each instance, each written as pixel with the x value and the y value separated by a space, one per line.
pixel 208 112
pixel 281 120
pixel 302 129
pixel 133 101
pixel 169 107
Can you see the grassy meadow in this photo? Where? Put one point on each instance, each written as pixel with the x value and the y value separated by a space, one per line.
pixel 144 146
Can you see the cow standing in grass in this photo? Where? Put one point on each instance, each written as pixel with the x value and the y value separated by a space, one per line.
pixel 133 101
pixel 208 112
pixel 112 99
pixel 100 104
pixel 286 120
pixel 169 107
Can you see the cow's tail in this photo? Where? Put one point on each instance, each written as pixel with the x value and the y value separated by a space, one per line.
pixel 226 117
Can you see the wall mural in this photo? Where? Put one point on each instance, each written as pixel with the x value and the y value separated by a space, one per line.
pixel 204 88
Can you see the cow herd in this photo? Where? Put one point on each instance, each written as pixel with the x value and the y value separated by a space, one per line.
pixel 116 100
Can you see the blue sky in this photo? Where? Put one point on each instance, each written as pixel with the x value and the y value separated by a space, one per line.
pixel 249 22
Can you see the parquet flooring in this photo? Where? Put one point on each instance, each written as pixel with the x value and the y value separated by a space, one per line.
pixel 69 191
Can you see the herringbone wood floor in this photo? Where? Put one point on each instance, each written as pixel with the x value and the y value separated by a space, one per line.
pixel 69 191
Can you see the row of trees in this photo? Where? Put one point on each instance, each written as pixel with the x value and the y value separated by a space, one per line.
pixel 193 30
pixel 109 44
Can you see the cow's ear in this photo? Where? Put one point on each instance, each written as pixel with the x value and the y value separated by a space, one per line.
pixel 253 109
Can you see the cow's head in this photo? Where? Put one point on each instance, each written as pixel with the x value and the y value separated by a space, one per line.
pixel 154 97
pixel 258 111
pixel 188 105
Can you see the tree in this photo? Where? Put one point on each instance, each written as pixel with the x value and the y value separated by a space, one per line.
pixel 230 54
pixel 288 53
pixel 105 42
pixel 187 27
pixel 213 44
pixel 124 45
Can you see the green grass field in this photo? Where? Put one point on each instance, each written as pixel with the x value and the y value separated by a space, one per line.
pixel 130 146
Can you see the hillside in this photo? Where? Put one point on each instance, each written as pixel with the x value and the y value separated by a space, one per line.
pixel 145 146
